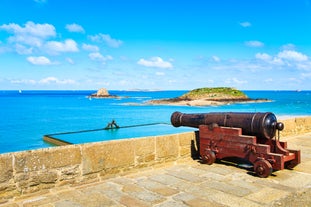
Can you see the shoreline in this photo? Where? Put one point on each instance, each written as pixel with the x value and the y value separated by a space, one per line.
pixel 204 102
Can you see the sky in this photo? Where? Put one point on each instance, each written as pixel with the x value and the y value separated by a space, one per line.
pixel 155 44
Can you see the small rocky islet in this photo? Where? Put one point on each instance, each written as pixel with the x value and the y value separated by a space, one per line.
pixel 209 96
pixel 102 93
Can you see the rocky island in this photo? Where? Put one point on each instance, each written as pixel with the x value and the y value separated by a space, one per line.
pixel 102 93
pixel 208 96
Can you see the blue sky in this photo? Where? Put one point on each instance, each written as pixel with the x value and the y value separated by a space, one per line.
pixel 155 44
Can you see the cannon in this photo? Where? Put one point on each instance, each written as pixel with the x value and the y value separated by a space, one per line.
pixel 250 136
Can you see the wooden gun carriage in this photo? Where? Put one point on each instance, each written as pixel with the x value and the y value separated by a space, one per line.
pixel 250 136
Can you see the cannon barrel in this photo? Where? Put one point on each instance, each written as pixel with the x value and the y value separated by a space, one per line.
pixel 262 125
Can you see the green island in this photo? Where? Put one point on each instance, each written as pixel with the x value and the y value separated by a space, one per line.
pixel 208 96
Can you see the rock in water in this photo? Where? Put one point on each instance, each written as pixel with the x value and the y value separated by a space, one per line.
pixel 102 92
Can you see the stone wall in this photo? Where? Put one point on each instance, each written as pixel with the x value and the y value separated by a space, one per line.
pixel 40 170
pixel 26 172
pixel 297 125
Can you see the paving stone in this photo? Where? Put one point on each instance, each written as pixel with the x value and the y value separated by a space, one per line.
pixel 95 198
pixel 251 186
pixel 111 190
pixel 71 195
pixel 227 188
pixel 305 166
pixel 185 176
pixel 166 179
pixel 222 198
pixel 130 201
pixel 157 187
pixel 267 195
pixel 142 194
pixel 195 201
pixel 171 203
pixel 296 180
pixel 198 202
pixel 67 203
pixel 40 201
pixel 123 181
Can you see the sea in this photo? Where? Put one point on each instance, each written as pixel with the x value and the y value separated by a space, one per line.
pixel 26 116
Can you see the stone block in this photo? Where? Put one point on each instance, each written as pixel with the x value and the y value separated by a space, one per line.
pixel 185 138
pixel 25 180
pixel 185 151
pixel 47 177
pixel 69 172
pixel 6 167
pixel 167 146
pixel 8 190
pixel 303 124
pixel 296 125
pixel 144 150
pixel 144 146
pixel 100 156
pixel 45 159
pixel 289 127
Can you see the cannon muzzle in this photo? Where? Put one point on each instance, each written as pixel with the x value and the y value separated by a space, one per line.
pixel 262 125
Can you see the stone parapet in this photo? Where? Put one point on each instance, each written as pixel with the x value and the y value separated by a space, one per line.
pixel 296 125
pixel 36 170
pixel 28 172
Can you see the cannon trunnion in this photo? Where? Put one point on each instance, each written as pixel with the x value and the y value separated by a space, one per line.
pixel 251 136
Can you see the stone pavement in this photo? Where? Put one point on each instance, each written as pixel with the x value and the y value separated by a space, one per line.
pixel 190 183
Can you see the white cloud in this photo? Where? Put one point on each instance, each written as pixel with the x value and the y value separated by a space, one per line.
pixel 31 34
pixel 263 56
pixel 245 24
pixel 99 57
pixel 285 59
pixel 69 60
pixel 23 81
pixel 254 43
pixel 92 48
pixel 235 81
pixel 22 50
pixel 216 58
pixel 107 39
pixel 54 80
pixel 289 47
pixel 40 60
pixel 277 61
pixel 292 55
pixel 156 62
pixel 160 73
pixel 68 45
pixel 269 59
pixel 44 81
pixel 75 28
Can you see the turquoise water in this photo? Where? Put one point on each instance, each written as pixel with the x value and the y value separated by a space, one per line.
pixel 120 133
pixel 28 115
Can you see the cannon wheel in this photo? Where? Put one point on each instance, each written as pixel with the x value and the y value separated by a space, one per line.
pixel 208 157
pixel 263 168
